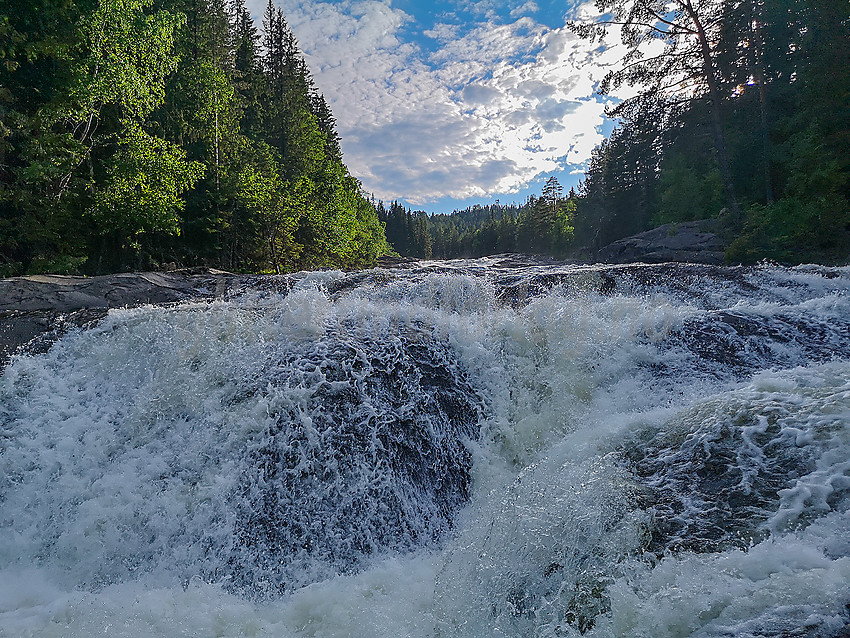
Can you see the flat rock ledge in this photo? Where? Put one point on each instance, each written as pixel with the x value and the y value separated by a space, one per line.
pixel 36 310
pixel 694 242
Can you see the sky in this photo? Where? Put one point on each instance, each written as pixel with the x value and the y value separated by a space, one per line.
pixel 442 104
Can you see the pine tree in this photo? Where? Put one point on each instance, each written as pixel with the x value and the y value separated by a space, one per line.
pixel 327 125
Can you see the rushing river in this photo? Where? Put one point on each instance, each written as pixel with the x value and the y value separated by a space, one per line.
pixel 489 448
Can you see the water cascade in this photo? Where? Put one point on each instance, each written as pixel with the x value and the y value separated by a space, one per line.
pixel 482 448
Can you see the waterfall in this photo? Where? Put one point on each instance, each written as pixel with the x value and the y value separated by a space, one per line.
pixel 496 447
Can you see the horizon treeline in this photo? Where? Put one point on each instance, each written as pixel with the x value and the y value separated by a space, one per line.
pixel 139 133
pixel 542 225
pixel 751 130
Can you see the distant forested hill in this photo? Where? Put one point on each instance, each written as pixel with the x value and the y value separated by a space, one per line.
pixel 542 225
pixel 135 133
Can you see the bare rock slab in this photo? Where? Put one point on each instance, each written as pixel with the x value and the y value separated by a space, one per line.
pixel 37 309
pixel 694 242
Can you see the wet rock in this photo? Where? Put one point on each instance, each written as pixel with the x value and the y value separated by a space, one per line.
pixel 368 454
pixel 396 261
pixel 36 310
pixel 714 490
pixel 743 343
pixel 60 293
pixel 35 331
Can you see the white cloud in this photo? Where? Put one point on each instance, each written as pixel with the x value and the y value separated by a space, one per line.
pixel 528 7
pixel 495 106
pixel 443 32
pixel 485 8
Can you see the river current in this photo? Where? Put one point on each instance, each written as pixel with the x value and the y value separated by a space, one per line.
pixel 488 448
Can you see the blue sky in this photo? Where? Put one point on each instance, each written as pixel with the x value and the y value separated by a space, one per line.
pixel 448 103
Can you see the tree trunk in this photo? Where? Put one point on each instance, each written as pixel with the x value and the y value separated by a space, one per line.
pixel 759 74
pixel 716 117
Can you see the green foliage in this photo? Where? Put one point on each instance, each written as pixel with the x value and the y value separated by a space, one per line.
pixel 126 56
pixel 543 225
pixel 135 132
pixel 563 231
pixel 782 71
pixel 793 231
pixel 59 265
pixel 213 118
pixel 687 193
pixel 618 196
pixel 685 39
pixel 145 181
pixel 407 232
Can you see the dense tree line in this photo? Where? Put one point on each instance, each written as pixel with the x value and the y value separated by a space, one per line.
pixel 407 231
pixel 139 132
pixel 542 226
pixel 743 115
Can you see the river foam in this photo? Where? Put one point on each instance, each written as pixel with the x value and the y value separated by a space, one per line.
pixel 452 449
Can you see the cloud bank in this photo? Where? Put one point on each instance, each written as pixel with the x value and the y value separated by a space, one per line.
pixel 451 107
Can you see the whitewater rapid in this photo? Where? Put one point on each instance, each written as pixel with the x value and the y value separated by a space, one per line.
pixel 474 448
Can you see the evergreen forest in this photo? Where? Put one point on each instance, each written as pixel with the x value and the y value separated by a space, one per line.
pixel 143 133
pixel 742 117
pixel 542 225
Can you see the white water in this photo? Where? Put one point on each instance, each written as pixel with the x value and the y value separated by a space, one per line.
pixel 638 466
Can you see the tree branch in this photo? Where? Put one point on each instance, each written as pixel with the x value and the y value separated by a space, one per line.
pixel 667 22
pixel 640 24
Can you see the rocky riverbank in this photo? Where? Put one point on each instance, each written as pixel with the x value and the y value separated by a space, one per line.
pixel 36 310
pixel 693 242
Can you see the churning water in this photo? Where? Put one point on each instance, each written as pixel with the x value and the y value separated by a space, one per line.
pixel 484 448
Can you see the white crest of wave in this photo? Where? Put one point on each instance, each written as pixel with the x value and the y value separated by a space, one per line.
pixel 119 447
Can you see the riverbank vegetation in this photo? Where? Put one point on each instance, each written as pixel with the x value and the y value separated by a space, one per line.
pixel 745 109
pixel 135 133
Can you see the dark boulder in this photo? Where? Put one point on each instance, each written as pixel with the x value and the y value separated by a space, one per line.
pixel 368 454
pixel 695 242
